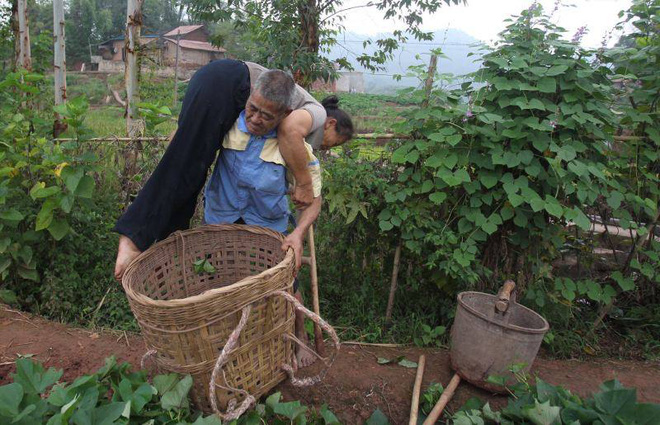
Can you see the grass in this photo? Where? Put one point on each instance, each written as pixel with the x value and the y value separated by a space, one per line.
pixel 110 121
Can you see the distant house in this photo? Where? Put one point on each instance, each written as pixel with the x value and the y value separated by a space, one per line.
pixel 347 82
pixel 194 50
pixel 194 47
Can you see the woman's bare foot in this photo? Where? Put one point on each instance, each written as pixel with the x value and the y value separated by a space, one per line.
pixel 304 357
pixel 126 253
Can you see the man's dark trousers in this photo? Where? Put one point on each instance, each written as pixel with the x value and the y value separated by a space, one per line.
pixel 215 97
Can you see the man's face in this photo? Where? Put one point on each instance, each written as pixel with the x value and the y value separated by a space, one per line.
pixel 261 115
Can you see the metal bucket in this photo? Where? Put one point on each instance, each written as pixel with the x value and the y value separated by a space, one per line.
pixel 486 342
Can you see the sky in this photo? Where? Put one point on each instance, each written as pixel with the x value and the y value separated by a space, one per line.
pixel 483 19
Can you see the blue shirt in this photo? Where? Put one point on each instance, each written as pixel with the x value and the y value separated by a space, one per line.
pixel 245 186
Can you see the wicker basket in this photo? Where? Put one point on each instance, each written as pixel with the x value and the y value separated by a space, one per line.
pixel 187 318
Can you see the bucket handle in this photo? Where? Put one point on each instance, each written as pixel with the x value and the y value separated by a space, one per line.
pixel 233 412
pixel 505 295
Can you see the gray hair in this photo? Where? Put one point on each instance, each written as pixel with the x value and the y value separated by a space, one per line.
pixel 276 86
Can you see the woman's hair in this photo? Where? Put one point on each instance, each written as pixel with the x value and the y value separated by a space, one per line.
pixel 344 125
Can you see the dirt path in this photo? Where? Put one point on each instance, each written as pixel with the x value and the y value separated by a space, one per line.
pixel 354 388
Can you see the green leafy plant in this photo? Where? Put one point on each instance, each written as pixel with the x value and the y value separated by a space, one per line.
pixel 41 180
pixel 430 397
pixel 154 115
pixel 430 336
pixel 491 183
pixel 112 395
pixel 116 395
pixel 202 265
pixel 543 403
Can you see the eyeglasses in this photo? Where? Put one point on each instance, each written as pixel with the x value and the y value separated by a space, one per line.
pixel 265 115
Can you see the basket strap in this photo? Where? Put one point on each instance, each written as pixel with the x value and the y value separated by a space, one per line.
pixel 303 382
pixel 231 413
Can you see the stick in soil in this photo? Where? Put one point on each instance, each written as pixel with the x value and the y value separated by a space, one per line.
pixel 395 274
pixel 414 407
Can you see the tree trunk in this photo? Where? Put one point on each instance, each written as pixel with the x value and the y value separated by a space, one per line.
pixel 24 56
pixel 134 126
pixel 59 65
pixel 309 33
pixel 17 36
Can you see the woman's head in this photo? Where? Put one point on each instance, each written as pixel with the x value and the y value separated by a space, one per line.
pixel 338 127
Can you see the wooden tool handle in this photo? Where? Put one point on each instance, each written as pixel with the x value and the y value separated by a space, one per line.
pixel 414 407
pixel 447 394
pixel 504 296
pixel 318 335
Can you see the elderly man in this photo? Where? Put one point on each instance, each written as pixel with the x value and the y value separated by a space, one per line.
pixel 249 182
pixel 217 93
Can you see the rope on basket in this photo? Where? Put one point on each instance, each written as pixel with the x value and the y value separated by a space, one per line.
pixel 146 356
pixel 182 258
pixel 232 413
pixel 304 382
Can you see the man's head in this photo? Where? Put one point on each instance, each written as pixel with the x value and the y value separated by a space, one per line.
pixel 270 101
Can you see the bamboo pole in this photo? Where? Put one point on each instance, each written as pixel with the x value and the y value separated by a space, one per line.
pixel 414 406
pixel 385 136
pixel 395 274
pixel 134 125
pixel 447 394
pixel 117 139
pixel 24 56
pixel 59 62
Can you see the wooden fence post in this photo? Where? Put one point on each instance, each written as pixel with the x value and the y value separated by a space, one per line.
pixel 428 84
pixel 176 70
pixel 59 63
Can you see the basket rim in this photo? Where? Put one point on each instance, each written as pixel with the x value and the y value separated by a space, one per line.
pixel 289 258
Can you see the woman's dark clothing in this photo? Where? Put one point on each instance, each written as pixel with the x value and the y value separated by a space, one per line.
pixel 215 97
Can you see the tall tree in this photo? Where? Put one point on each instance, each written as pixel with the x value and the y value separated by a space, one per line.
pixel 295 34
pixel 81 30
pixel 24 55
pixel 59 62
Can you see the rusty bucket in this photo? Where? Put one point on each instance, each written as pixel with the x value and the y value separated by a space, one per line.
pixel 492 333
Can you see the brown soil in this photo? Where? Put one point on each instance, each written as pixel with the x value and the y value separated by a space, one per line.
pixel 355 386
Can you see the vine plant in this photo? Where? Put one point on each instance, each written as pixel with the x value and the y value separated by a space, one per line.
pixel 500 167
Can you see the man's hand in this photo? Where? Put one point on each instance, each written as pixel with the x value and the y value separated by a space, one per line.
pixel 126 253
pixel 295 241
pixel 302 196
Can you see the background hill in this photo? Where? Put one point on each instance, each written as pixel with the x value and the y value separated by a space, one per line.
pixel 454 43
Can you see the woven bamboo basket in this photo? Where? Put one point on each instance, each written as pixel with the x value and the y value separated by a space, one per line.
pixel 236 323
